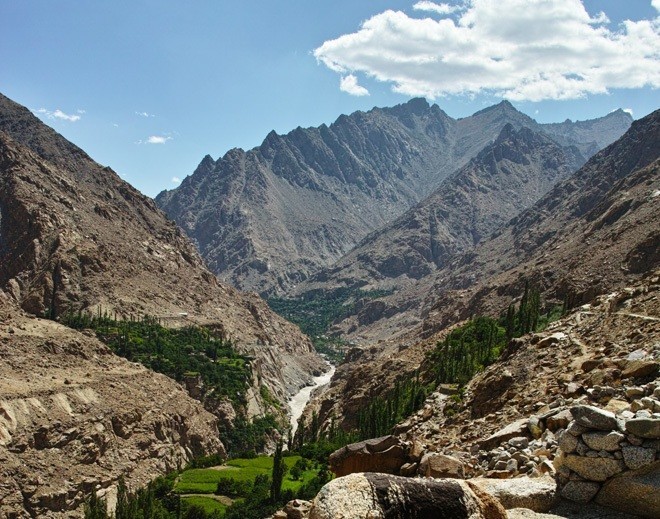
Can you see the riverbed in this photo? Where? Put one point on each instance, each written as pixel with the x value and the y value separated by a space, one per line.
pixel 299 401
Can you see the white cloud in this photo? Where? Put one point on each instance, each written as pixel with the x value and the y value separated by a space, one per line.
pixel 59 114
pixel 176 180
pixel 79 111
pixel 656 4
pixel 158 139
pixel 629 111
pixel 144 114
pixel 518 49
pixel 349 84
pixel 443 8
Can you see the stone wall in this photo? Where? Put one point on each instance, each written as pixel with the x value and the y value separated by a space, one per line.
pixel 613 459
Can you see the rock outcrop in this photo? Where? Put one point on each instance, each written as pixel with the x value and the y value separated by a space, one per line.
pixel 373 496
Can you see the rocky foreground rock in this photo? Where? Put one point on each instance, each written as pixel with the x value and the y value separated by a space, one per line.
pixel 380 496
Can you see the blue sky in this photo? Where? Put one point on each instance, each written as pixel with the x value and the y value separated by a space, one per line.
pixel 149 87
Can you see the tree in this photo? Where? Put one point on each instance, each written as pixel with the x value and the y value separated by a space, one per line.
pixel 95 507
pixel 279 469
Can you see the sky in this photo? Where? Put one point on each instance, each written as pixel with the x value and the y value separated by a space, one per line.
pixel 149 87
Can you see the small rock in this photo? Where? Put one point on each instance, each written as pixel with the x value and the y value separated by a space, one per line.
pixel 520 442
pixel 594 469
pixel 644 427
pixel 617 406
pixel 580 491
pixel 603 441
pixel 572 388
pixel 637 457
pixel 640 369
pixel 567 442
pixel 582 448
pixel 634 392
pixel 576 429
pixel 558 421
pixel 437 465
pixel 535 426
pixel 536 494
pixel 590 364
pixel 635 490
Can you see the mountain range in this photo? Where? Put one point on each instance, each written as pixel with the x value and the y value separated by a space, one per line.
pixel 269 218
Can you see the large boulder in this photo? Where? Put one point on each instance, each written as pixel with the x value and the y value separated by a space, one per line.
pixel 538 494
pixel 513 430
pixel 379 496
pixel 594 418
pixel 386 454
pixel 436 465
pixel 636 491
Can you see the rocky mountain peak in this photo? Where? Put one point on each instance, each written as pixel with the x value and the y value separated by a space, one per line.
pixel 206 165
pixel 416 106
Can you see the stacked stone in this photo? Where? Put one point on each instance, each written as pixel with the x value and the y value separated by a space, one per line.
pixel 520 456
pixel 598 445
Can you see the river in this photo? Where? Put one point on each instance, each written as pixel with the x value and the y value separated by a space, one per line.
pixel 299 401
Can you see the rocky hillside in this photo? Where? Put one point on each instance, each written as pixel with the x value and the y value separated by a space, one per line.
pixel 570 413
pixel 506 177
pixel 74 418
pixel 73 235
pixel 268 218
pixel 594 233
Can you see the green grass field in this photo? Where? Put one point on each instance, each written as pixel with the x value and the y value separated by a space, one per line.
pixel 209 504
pixel 205 481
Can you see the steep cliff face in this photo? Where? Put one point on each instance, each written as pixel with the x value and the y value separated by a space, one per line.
pixel 268 218
pixel 506 177
pixel 74 418
pixel 76 236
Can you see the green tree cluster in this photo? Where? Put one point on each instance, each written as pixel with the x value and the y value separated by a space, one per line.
pixel 191 350
pixel 466 350
pixel 526 318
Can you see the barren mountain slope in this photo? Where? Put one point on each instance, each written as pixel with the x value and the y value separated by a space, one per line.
pixel 74 417
pixel 74 235
pixel 503 179
pixel 590 347
pixel 531 370
pixel 593 233
pixel 268 218
pixel 587 235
